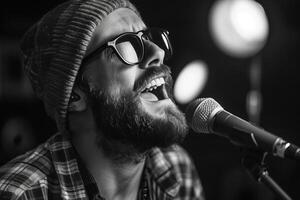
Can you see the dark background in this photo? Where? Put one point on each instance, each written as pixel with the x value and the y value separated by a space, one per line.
pixel 24 124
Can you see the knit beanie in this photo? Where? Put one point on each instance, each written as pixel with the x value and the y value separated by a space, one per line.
pixel 53 49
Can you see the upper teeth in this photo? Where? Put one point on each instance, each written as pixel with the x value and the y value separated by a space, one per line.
pixel 155 83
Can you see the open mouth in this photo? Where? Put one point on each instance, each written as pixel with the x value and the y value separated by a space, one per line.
pixel 155 90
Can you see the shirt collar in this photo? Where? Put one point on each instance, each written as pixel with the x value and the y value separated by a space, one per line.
pixel 65 161
pixel 66 166
pixel 163 172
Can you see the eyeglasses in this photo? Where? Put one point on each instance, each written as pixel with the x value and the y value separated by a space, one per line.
pixel 130 47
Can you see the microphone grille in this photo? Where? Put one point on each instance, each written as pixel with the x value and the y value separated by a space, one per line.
pixel 200 112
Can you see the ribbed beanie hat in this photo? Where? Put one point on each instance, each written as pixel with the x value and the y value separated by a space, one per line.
pixel 53 49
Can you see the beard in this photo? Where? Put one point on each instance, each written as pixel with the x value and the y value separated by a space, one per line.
pixel 127 131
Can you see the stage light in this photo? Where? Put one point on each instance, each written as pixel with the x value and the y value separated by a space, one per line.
pixel 190 81
pixel 239 27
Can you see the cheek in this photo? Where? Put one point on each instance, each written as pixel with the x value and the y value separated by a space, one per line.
pixel 120 83
pixel 126 78
pixel 98 79
pixel 112 79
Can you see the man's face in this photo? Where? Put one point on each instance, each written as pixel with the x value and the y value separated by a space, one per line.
pixel 124 109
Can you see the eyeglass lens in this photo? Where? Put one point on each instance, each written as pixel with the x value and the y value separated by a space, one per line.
pixel 131 49
pixel 161 39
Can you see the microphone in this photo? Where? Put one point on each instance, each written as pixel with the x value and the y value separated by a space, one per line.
pixel 205 115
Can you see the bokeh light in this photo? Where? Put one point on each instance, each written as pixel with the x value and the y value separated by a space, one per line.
pixel 239 27
pixel 190 81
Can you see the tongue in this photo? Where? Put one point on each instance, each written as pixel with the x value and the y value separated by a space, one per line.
pixel 149 96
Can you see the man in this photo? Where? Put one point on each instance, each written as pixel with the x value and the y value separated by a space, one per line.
pixel 101 75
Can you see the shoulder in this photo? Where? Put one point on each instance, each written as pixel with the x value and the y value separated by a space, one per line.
pixel 24 172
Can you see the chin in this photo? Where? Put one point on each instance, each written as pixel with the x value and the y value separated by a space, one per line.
pixel 167 124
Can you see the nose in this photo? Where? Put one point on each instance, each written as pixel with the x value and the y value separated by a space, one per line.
pixel 153 55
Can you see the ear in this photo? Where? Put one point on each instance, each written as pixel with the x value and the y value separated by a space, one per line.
pixel 78 101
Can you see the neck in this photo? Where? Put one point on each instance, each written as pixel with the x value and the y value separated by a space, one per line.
pixel 115 178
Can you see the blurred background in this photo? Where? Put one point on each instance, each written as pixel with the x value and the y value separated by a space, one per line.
pixel 242 53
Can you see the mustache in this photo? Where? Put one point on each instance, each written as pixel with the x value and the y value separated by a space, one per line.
pixel 152 73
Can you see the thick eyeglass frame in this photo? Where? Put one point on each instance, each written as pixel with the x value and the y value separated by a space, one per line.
pixel 143 34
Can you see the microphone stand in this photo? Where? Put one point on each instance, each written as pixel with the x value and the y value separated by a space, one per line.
pixel 253 161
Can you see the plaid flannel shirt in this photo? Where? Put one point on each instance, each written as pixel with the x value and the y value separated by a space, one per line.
pixel 52 171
